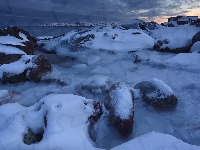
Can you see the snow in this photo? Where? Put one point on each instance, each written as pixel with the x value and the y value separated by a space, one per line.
pixel 195 47
pixel 124 41
pixel 3 93
pixel 23 36
pixel 122 101
pixel 186 59
pixel 10 50
pixel 66 123
pixel 167 91
pixel 153 140
pixel 11 40
pixel 177 36
pixel 21 65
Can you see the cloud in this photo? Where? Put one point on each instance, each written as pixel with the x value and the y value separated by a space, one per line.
pixel 95 10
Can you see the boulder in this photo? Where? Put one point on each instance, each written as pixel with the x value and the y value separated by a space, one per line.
pixel 119 102
pixel 157 94
pixel 95 85
pixel 196 37
pixel 40 67
pixel 26 43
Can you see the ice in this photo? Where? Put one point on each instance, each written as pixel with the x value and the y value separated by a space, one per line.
pixel 100 70
pixel 186 59
pixel 196 47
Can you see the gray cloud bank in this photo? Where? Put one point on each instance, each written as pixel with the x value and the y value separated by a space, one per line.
pixel 33 12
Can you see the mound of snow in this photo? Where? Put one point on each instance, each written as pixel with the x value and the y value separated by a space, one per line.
pixel 153 140
pixel 61 117
pixel 102 38
pixel 120 40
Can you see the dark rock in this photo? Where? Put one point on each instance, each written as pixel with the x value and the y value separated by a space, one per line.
pixel 155 96
pixel 9 58
pixel 12 78
pixel 98 111
pixel 30 137
pixel 121 118
pixel 196 37
pixel 41 66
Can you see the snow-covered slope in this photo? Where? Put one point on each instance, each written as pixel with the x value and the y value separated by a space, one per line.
pixel 102 38
pixel 153 140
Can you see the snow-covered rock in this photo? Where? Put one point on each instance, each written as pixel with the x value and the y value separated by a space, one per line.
pixel 95 85
pixel 17 37
pixel 28 66
pixel 59 119
pixel 157 94
pixel 153 140
pixel 102 38
pixel 119 103
pixel 177 39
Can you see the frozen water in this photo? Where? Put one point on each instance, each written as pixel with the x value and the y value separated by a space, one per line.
pixel 181 72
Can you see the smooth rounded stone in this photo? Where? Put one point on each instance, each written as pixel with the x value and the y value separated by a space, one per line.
pixel 119 102
pixel 157 94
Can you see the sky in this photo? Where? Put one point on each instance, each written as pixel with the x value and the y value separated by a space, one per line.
pixel 34 12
